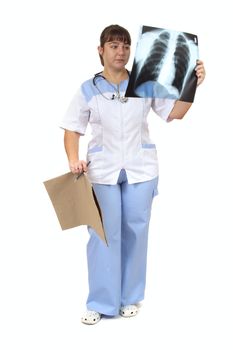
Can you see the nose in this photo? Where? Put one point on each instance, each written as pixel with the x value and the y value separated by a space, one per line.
pixel 121 50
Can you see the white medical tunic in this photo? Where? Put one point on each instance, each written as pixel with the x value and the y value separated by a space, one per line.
pixel 120 135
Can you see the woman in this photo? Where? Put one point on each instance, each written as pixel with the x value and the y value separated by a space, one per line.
pixel 123 171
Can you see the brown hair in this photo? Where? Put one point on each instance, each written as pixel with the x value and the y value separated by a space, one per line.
pixel 114 32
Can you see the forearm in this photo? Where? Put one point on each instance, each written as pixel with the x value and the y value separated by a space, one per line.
pixel 179 110
pixel 71 143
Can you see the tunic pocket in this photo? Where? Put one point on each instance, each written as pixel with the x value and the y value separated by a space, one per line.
pixel 148 145
pixel 150 159
pixel 95 149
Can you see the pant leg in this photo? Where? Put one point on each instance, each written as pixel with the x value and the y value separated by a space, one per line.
pixel 104 263
pixel 136 210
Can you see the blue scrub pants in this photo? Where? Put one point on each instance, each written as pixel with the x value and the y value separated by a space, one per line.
pixel 117 272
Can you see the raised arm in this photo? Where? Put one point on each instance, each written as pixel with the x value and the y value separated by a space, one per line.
pixel 181 108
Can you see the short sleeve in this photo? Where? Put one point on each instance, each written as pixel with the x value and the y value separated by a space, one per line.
pixel 77 115
pixel 162 107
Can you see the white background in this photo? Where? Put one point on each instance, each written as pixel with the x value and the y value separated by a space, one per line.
pixel 47 49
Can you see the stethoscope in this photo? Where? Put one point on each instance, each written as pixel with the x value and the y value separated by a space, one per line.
pixel 117 96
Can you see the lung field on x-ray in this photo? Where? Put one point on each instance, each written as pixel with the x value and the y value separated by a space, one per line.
pixel 164 65
pixel 181 61
pixel 154 62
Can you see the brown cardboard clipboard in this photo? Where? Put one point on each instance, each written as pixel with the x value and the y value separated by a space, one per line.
pixel 75 202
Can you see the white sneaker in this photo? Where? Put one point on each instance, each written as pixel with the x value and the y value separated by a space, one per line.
pixel 91 317
pixel 128 310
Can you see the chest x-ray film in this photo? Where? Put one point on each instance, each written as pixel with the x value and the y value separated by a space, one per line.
pixel 164 65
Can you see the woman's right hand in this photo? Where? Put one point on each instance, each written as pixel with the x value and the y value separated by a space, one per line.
pixel 78 166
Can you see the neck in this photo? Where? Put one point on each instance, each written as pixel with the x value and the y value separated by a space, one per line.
pixel 115 77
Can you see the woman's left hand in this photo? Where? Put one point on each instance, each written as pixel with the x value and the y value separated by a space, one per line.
pixel 200 72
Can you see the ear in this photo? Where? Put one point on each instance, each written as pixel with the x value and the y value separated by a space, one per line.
pixel 100 50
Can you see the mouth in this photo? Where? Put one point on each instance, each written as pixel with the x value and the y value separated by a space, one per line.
pixel 120 60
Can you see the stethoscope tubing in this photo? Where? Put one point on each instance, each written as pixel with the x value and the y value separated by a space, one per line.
pixel 122 99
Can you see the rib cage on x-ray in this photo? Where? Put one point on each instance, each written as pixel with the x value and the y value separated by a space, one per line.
pixel 157 57
pixel 181 61
pixel 153 64
pixel 164 65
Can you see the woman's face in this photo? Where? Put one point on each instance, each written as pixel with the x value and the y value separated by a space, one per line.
pixel 115 54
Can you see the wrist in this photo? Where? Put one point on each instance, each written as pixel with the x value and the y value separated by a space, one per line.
pixel 73 160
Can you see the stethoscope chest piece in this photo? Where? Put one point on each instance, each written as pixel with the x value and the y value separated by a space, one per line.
pixel 123 99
